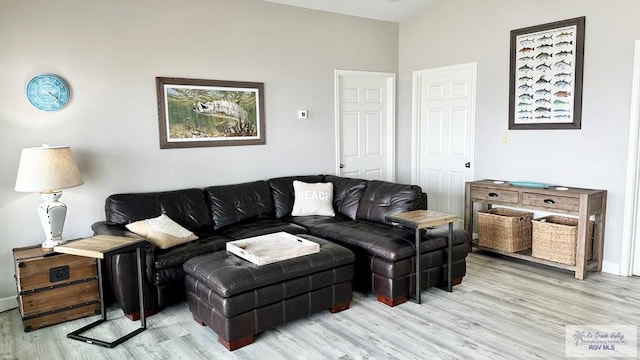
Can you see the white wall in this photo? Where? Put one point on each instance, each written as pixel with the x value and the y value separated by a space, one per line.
pixel 111 51
pixel 463 31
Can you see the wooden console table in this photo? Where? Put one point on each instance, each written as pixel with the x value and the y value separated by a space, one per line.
pixel 582 203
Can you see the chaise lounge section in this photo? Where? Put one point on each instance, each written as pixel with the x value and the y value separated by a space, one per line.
pixel 384 252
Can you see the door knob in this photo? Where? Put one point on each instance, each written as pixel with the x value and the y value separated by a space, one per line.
pixel 341 166
pixel 467 165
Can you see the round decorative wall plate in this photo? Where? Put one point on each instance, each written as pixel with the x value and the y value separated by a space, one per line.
pixel 47 92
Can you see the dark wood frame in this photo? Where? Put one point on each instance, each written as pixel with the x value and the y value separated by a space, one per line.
pixel 167 143
pixel 575 80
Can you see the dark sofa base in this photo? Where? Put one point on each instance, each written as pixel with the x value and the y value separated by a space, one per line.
pixel 393 280
pixel 435 276
pixel 396 289
pixel 403 299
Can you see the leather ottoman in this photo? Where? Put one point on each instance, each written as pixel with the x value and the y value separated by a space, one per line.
pixel 239 299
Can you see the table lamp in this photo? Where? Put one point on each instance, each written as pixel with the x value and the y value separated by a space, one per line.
pixel 47 170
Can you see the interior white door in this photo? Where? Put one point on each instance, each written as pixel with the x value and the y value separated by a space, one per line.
pixel 365 123
pixel 443 134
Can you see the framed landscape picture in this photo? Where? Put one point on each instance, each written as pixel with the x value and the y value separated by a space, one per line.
pixel 545 77
pixel 202 113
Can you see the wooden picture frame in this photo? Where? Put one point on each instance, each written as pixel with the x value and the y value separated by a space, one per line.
pixel 545 77
pixel 203 113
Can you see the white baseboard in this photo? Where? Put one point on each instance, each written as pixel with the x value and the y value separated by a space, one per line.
pixel 8 303
pixel 611 267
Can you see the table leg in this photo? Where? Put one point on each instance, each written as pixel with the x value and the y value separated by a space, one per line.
pixel 143 321
pixel 143 316
pixel 103 310
pixel 449 257
pixel 448 285
pixel 418 255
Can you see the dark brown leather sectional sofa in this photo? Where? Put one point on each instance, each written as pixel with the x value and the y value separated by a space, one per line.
pixel 384 253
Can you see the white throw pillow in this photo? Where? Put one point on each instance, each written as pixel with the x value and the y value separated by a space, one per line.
pixel 312 199
pixel 162 231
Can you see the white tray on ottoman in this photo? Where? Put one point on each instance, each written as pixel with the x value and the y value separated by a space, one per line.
pixel 267 249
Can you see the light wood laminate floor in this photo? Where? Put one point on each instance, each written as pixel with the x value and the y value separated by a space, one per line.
pixel 504 309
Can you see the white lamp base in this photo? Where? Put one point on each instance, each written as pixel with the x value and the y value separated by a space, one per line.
pixel 52 214
pixel 50 244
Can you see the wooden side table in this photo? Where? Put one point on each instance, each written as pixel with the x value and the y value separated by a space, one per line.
pixel 54 288
pixel 98 247
pixel 422 219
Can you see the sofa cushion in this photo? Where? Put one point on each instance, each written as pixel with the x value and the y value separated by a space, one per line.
pixel 346 194
pixel 310 222
pixel 232 204
pixel 177 255
pixel 312 199
pixel 161 231
pixel 282 191
pixel 187 207
pixel 167 264
pixel 384 241
pixel 261 227
pixel 381 240
pixel 381 199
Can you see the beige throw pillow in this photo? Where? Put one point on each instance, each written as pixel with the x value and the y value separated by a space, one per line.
pixel 312 199
pixel 162 231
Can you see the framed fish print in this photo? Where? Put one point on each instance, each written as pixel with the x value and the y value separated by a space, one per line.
pixel 203 113
pixel 545 78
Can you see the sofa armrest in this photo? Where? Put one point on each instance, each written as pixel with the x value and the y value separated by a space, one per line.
pixel 423 202
pixel 121 269
pixel 102 228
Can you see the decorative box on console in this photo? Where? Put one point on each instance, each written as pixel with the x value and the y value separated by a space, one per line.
pixel 54 288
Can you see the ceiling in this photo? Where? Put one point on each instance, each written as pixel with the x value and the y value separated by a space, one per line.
pixel 388 10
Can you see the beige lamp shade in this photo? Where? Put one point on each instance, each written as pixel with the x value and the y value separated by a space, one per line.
pixel 46 169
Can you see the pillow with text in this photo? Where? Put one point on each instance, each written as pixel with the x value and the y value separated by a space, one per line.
pixel 312 199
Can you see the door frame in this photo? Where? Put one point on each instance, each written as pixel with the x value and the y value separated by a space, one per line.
pixel 416 109
pixel 631 203
pixel 391 116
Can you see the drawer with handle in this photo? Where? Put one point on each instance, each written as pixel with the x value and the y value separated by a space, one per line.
pixel 494 195
pixel 551 201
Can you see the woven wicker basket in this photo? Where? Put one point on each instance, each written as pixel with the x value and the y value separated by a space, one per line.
pixel 504 229
pixel 554 238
